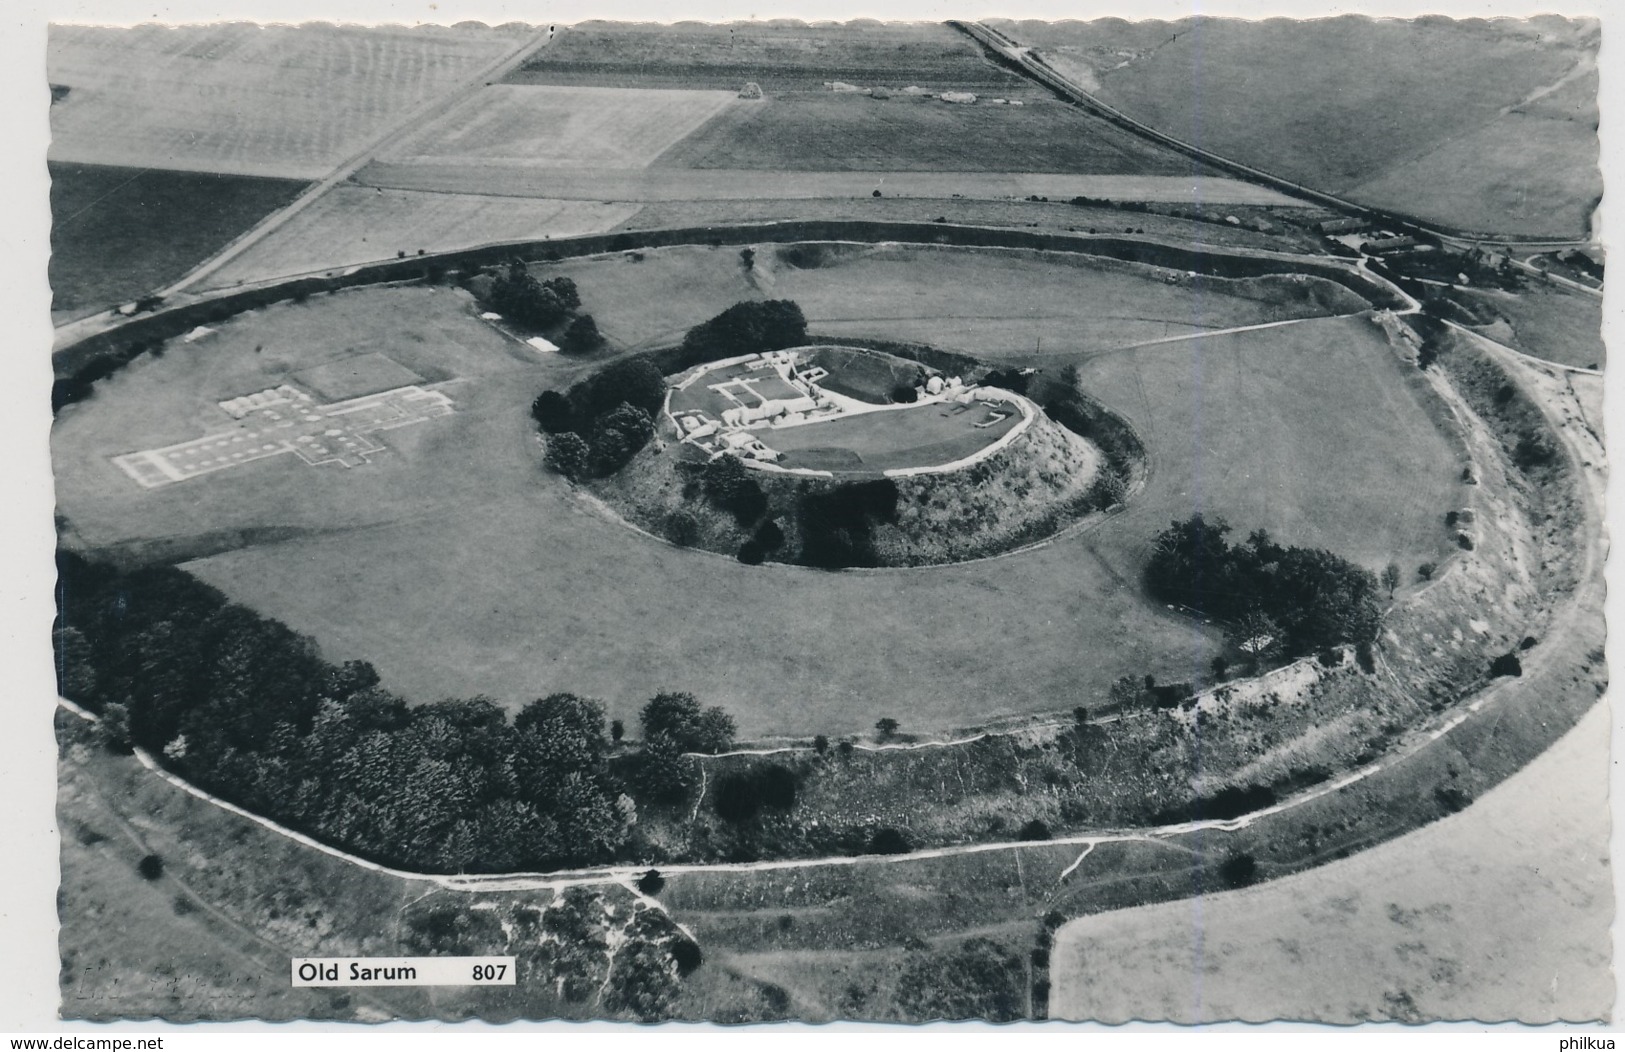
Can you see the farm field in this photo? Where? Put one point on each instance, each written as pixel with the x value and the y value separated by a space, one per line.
pixel 282 101
pixel 1451 154
pixel 1547 185
pixel 673 184
pixel 456 534
pixel 562 127
pixel 1417 928
pixel 354 224
pixel 904 438
pixel 826 131
pixel 779 56
pixel 119 233
pixel 1548 322
pixel 992 303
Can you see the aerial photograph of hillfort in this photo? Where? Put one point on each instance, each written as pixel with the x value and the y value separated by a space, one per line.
pixel 830 521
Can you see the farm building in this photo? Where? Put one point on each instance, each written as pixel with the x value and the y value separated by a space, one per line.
pixel 1389 244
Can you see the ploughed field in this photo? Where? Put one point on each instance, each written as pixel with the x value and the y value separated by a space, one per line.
pixel 458 565
pixel 119 233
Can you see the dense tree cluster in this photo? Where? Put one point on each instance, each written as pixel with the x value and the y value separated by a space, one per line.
pixel 246 708
pixel 1317 599
pixel 600 423
pixel 837 526
pixel 729 485
pixel 519 297
pixel 755 326
pixel 678 718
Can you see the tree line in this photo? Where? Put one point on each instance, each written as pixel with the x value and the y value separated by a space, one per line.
pixel 248 709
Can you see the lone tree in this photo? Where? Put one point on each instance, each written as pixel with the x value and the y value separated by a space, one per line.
pixel 887 726
pixel 1390 578
pixel 581 336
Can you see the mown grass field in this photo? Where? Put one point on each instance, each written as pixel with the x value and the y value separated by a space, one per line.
pixel 118 233
pixel 825 131
pixel 458 565
pixel 779 56
pixel 355 224
pixel 234 97
pixel 1313 431
pixel 1417 928
pixel 1426 117
pixel 899 439
pixel 563 127
pixel 995 303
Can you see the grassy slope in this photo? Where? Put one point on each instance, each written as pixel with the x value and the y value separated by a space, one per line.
pixel 1370 103
pixel 1053 215
pixel 1547 322
pixel 458 536
pixel 1418 925
pixel 822 131
pixel 118 233
pixel 212 937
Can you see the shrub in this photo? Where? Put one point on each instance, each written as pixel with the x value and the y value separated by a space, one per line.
pixel 1239 870
pixel 151 867
pixel 1506 665
pixel 1451 798
pixel 651 882
pixel 686 952
pixel 1425 571
pixel 769 536
pixel 1034 830
pixel 888 841
pixel 569 455
pixel 682 528
pixel 663 773
pixel 581 336
pixel 821 744
pixel 741 795
pixel 751 554
pixel 553 413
